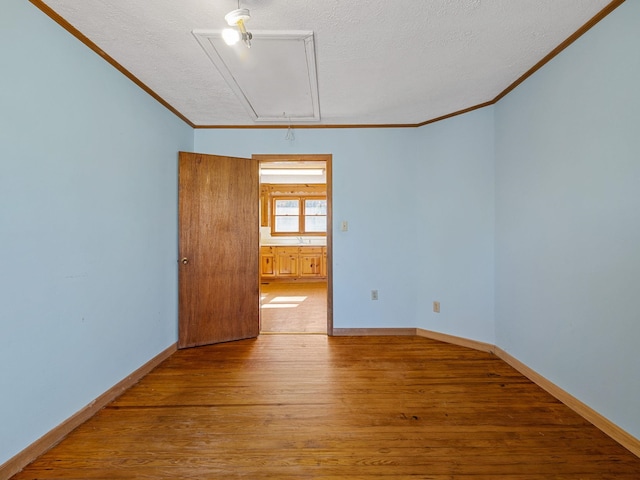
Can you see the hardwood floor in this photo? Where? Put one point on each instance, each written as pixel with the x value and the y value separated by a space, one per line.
pixel 318 407
pixel 293 307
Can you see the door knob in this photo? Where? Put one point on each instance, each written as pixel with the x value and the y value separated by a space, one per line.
pixel 185 260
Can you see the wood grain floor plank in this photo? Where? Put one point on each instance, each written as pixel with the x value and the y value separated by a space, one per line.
pixel 314 407
pixel 305 307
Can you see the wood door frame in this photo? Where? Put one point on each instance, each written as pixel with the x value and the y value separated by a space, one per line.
pixel 327 158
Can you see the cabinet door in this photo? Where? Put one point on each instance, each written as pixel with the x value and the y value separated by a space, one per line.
pixel 286 262
pixel 267 262
pixel 310 262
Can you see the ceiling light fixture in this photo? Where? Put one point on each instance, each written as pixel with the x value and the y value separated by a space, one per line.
pixel 237 18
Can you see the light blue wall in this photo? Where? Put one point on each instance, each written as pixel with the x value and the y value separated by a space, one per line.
pixel 568 219
pixel 88 222
pixel 369 167
pixel 456 205
pixel 88 230
pixel 419 203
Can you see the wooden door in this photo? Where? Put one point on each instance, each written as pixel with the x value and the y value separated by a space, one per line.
pixel 219 291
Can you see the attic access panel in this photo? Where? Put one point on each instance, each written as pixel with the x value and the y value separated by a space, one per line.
pixel 275 80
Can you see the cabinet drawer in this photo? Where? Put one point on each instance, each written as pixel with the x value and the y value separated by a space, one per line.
pixel 310 250
pixel 286 250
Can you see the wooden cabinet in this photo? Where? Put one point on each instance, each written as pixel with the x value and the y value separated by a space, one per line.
pixel 310 259
pixel 293 263
pixel 267 262
pixel 287 259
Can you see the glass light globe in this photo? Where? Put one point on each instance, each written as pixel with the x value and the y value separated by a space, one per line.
pixel 231 36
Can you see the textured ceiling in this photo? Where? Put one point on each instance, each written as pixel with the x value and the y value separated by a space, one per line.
pixel 378 61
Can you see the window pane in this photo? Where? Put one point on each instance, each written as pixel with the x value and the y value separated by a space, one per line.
pixel 315 224
pixel 287 224
pixel 315 207
pixel 287 207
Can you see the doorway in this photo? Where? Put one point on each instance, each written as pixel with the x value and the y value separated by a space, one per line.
pixel 295 244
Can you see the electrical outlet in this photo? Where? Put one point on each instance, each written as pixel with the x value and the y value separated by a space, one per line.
pixel 436 307
pixel 374 294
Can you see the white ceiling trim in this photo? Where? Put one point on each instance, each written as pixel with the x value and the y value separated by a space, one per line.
pixel 285 60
